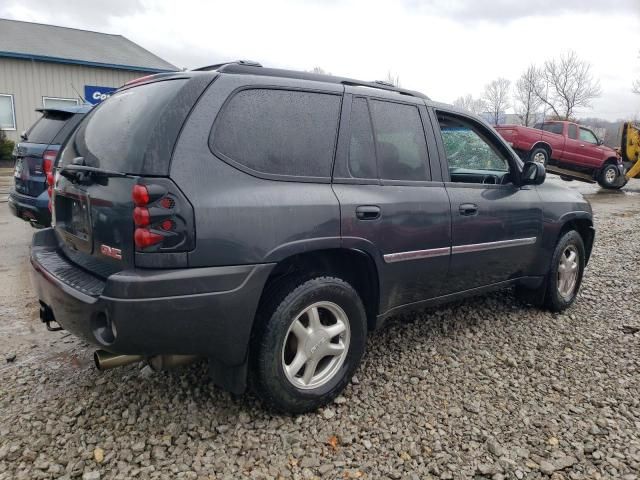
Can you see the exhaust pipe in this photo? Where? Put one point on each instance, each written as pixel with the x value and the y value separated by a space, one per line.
pixel 106 360
pixel 166 362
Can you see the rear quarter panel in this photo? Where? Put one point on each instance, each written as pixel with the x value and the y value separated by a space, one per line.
pixel 242 219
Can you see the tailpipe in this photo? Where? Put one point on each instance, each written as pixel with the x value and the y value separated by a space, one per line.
pixel 166 362
pixel 106 360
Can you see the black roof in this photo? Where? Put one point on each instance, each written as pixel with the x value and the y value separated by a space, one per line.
pixel 248 67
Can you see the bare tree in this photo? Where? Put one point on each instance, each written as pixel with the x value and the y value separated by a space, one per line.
pixel 636 86
pixel 392 78
pixel 568 84
pixel 470 104
pixel 496 96
pixel 320 71
pixel 527 103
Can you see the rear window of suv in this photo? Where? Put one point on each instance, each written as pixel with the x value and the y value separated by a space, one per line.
pixel 116 134
pixel 278 132
pixel 49 125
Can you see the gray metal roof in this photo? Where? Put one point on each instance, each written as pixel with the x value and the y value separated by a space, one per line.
pixel 68 45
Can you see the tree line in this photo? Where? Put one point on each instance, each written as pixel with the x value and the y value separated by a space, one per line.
pixel 556 88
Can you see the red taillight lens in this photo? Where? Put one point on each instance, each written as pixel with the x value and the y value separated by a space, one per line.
pixel 166 225
pixel 141 216
pixel 50 179
pixel 48 160
pixel 140 195
pixel 144 237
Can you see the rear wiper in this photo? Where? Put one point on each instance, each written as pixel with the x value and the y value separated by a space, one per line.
pixel 77 172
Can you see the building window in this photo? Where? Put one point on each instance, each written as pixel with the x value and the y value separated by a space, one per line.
pixel 55 102
pixel 7 112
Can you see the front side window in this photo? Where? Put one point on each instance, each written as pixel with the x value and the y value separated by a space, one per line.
pixel 468 151
pixel 55 102
pixel 400 143
pixel 362 153
pixel 588 136
pixel 7 113
pixel 279 132
pixel 573 131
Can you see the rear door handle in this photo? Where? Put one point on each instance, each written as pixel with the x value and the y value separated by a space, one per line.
pixel 368 212
pixel 468 209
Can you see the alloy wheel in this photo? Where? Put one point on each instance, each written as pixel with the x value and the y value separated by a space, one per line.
pixel 316 345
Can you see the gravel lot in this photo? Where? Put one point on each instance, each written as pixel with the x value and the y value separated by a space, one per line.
pixel 482 389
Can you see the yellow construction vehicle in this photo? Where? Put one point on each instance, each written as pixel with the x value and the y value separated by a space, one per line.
pixel 630 149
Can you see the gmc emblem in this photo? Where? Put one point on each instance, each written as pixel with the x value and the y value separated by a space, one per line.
pixel 108 251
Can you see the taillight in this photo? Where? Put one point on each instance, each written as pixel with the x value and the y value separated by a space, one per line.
pixel 140 195
pixel 48 161
pixel 163 218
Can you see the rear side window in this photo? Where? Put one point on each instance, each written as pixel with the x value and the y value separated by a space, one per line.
pixel 550 127
pixel 400 142
pixel 362 153
pixel 45 129
pixel 116 134
pixel 279 132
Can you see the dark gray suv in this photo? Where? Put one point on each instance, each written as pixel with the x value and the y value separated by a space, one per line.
pixel 267 220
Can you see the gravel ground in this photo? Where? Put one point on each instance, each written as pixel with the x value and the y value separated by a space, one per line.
pixel 482 389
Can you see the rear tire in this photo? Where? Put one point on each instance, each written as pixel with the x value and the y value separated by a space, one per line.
pixel 311 339
pixel 539 155
pixel 609 176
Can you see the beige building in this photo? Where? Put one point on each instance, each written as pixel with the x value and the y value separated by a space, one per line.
pixel 49 66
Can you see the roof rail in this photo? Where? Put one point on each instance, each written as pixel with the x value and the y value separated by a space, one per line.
pixel 248 63
pixel 254 68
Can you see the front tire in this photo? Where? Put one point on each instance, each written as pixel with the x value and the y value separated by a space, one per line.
pixel 560 287
pixel 565 275
pixel 608 177
pixel 311 340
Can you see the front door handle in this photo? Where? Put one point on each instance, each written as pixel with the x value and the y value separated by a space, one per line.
pixel 368 212
pixel 468 209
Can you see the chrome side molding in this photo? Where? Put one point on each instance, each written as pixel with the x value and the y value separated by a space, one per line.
pixel 416 254
pixel 479 247
pixel 472 247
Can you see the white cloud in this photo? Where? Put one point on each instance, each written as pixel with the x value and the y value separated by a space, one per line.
pixel 444 49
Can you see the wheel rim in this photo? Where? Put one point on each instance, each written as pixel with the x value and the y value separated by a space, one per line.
pixel 316 345
pixel 610 175
pixel 568 271
pixel 539 158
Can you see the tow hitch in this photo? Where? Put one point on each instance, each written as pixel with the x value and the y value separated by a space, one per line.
pixel 46 315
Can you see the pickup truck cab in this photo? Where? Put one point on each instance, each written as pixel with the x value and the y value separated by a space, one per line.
pixel 568 149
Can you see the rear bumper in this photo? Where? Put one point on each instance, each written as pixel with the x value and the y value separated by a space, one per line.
pixel 198 311
pixel 31 209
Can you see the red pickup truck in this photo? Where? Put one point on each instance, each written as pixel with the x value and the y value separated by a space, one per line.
pixel 568 149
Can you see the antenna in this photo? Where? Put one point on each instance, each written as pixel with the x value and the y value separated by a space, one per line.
pixel 84 100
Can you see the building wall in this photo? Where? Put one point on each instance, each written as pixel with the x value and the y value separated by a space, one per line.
pixel 28 81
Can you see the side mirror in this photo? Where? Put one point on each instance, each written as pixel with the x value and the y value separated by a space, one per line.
pixel 533 173
pixel 600 141
pixel 23 136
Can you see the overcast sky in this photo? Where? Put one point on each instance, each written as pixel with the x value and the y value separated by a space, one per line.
pixel 444 48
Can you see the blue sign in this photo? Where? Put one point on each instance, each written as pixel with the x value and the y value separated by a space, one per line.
pixel 95 95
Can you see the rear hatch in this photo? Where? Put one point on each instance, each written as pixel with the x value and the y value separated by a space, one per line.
pixel 29 173
pixel 99 168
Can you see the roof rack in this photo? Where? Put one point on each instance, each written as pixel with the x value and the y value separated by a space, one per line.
pixel 249 67
pixel 248 63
